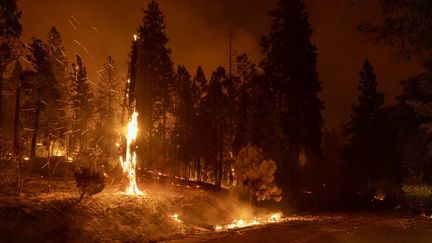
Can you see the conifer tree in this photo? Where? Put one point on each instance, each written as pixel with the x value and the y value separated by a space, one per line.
pixel 45 94
pixel 364 132
pixel 186 95
pixel 405 25
pixel 108 105
pixel 82 106
pixel 155 78
pixel 59 64
pixel 290 68
pixel 216 103
pixel 201 131
pixel 10 44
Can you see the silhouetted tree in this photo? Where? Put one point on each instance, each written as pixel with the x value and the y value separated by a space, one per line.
pixel 17 76
pixel 155 77
pixel 59 65
pixel 82 106
pixel 213 103
pixel 405 25
pixel 363 152
pixel 290 69
pixel 44 95
pixel 186 96
pixel 414 125
pixel 201 131
pixel 108 106
pixel 10 44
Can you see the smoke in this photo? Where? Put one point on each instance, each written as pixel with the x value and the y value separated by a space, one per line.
pixel 199 31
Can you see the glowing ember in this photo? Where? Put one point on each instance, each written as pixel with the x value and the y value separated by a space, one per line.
pixel 129 165
pixel 275 217
pixel 176 218
pixel 241 223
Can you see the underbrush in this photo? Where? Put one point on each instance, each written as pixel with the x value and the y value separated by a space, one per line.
pixel 40 216
pixel 418 197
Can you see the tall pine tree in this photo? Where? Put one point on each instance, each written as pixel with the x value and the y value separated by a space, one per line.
pixel 155 78
pixel 365 133
pixel 290 68
pixel 82 107
pixel 44 96
pixel 10 44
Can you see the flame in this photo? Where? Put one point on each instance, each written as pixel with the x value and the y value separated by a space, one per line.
pixel 129 165
pixel 241 223
pixel 380 196
pixel 176 218
pixel 276 217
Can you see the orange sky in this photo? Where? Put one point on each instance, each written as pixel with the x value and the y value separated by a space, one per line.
pixel 198 32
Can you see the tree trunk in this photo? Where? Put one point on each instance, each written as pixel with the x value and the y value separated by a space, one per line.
pixel 110 122
pixel 17 121
pixel 164 135
pixel 35 131
pixel 16 144
pixel 1 95
pixel 198 168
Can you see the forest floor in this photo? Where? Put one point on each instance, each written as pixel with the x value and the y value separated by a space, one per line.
pixel 38 215
pixel 180 213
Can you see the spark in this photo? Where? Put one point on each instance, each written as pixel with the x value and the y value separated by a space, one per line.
pixel 100 75
pixel 99 140
pixel 84 132
pixel 42 46
pixel 62 52
pixel 60 62
pixel 77 42
pixel 94 28
pixel 88 80
pixel 29 47
pixel 74 19
pixel 25 60
pixel 85 49
pixel 29 109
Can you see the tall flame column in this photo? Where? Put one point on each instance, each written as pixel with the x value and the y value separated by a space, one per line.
pixel 129 164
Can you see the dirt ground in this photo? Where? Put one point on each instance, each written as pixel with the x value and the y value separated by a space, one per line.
pixel 40 215
pixel 361 228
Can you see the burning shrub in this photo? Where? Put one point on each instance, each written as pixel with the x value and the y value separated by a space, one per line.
pixel 257 174
pixel 89 181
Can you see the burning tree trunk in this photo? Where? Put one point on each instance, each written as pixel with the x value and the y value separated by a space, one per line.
pixel 129 164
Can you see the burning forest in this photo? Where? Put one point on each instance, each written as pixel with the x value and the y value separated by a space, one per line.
pixel 106 135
